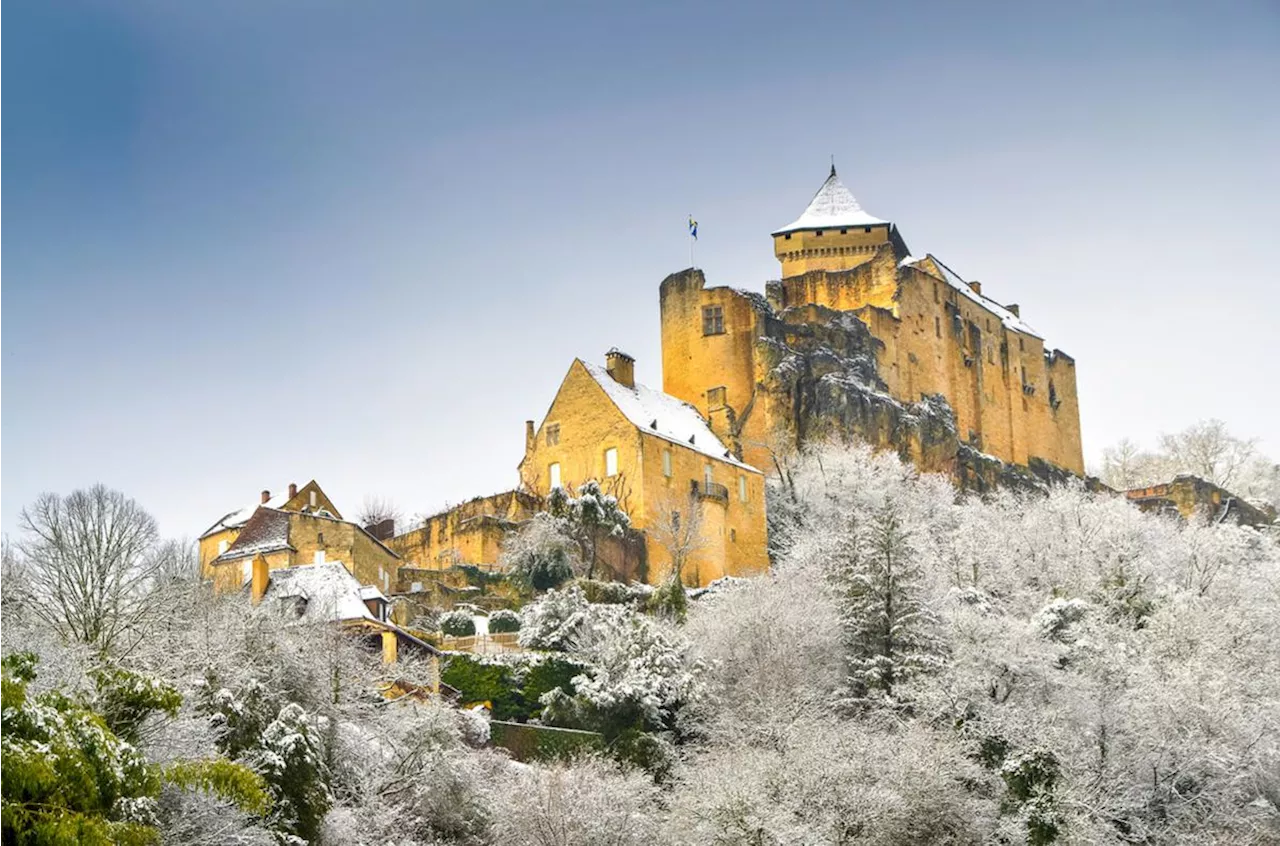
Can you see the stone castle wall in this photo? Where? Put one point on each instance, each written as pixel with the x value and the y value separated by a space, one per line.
pixel 876 351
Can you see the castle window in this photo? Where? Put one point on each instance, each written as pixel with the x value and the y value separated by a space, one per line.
pixel 715 397
pixel 222 546
pixel 733 536
pixel 742 488
pixel 787 236
pixel 553 434
pixel 1021 345
pixel 706 475
pixel 313 499
pixel 553 475
pixel 712 320
pixel 844 231
pixel 937 326
pixel 319 556
pixel 935 292
pixel 868 229
pixel 818 233
pixel 666 463
pixel 611 461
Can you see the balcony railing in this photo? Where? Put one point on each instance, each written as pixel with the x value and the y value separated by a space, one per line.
pixel 710 490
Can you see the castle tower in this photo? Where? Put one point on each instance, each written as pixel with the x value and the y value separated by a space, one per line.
pixel 834 233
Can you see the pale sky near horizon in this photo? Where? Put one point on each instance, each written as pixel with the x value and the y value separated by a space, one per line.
pixel 252 243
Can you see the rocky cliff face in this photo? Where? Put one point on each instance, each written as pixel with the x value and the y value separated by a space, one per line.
pixel 820 381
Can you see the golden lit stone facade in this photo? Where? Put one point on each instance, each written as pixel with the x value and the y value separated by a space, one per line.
pixel 470 533
pixel 290 538
pixel 657 456
pixel 219 537
pixel 934 334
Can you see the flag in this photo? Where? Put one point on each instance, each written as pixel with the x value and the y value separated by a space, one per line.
pixel 693 228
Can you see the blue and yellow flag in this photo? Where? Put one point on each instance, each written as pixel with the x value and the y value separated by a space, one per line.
pixel 693 228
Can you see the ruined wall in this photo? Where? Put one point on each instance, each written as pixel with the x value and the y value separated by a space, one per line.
pixel 1189 496
pixel 470 533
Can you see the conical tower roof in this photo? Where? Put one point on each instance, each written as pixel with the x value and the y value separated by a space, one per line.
pixel 833 207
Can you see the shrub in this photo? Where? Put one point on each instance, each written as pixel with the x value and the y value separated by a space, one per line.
pixel 504 620
pixel 457 624
pixel 481 681
pixel 614 593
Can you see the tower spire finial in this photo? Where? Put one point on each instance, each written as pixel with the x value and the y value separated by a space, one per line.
pixel 833 164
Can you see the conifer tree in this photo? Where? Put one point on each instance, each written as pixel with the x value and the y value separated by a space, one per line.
pixel 889 632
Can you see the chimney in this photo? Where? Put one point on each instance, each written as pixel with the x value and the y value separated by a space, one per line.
pixel 976 287
pixel 293 490
pixel 621 367
pixel 1013 307
pixel 266 495
pixel 258 584
pixel 529 434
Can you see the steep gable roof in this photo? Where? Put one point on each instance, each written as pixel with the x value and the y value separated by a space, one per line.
pixel 266 531
pixel 832 207
pixel 298 502
pixel 663 416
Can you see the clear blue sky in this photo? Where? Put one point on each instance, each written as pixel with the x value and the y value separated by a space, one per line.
pixel 253 243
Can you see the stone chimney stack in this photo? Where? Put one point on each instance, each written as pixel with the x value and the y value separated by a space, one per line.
pixel 266 495
pixel 259 579
pixel 976 287
pixel 529 434
pixel 621 367
pixel 293 490
pixel 1013 307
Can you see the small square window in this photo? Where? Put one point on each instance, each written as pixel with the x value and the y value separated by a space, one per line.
pixel 787 237
pixel 844 231
pixel 818 233
pixel 666 463
pixel 867 229
pixel 712 320
pixel 553 434
pixel 553 475
pixel 611 461
pixel 715 397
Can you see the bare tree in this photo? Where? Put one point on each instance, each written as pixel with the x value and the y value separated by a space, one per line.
pixel 676 526
pixel 1209 451
pixel 92 558
pixel 376 509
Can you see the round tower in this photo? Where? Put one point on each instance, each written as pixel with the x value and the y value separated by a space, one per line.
pixel 834 233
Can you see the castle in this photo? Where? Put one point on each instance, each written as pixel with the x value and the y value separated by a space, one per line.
pixel 859 338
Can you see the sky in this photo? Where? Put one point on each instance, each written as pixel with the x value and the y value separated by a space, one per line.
pixel 254 243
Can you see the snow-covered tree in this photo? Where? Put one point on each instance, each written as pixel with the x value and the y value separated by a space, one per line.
pixel 590 515
pixel 541 554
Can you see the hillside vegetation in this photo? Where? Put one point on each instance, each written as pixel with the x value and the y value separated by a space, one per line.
pixel 917 667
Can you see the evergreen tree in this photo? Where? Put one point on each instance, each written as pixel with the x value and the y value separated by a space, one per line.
pixel 889 633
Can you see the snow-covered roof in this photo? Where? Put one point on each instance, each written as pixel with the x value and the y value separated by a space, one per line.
pixel 330 591
pixel 832 207
pixel 266 531
pixel 1008 318
pixel 664 416
pixel 240 516
pixel 372 592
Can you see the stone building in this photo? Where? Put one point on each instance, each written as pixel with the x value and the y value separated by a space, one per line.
pixel 772 372
pixel 660 458
pixel 217 539
pixel 281 538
